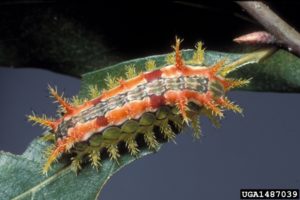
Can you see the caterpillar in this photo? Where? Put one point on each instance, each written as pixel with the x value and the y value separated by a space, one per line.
pixel 174 95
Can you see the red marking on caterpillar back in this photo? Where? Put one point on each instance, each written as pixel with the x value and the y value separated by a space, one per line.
pixel 156 101
pixel 172 85
pixel 152 75
pixel 101 121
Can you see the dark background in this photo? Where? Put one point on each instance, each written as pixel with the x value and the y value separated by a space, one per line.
pixel 259 150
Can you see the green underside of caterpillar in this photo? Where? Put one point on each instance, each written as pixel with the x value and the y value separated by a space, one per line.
pixel 148 131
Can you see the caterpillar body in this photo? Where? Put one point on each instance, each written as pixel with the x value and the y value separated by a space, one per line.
pixel 177 93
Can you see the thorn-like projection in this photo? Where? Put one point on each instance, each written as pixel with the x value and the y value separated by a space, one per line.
pixel 111 81
pixel 43 121
pixel 227 69
pixel 208 103
pixel 182 107
pixel 214 108
pixel 231 83
pixel 93 91
pixel 150 65
pixel 76 101
pixel 198 56
pixel 55 152
pixel 208 113
pixel 195 122
pixel 170 58
pixel 53 155
pixel 76 164
pixel 150 139
pixel 130 72
pixel 178 58
pixel 227 104
pixel 113 152
pixel 48 150
pixel 69 145
pixel 68 108
pixel 95 158
pixel 166 129
pixel 132 146
pixel 177 121
pixel 217 67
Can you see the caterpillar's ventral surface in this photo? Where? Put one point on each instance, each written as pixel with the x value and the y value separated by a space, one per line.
pixel 161 99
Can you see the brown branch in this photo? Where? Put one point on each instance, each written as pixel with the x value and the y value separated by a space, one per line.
pixel 283 32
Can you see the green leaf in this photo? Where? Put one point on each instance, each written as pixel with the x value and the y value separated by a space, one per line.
pixel 277 73
pixel 20 175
